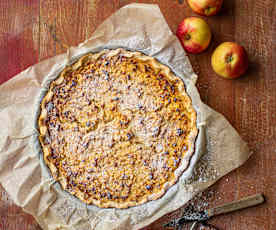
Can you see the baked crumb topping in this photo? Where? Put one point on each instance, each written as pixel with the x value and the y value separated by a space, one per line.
pixel 115 128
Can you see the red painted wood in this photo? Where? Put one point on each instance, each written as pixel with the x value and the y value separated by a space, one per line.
pixel 19 26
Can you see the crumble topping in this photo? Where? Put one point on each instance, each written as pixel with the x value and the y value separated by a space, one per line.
pixel 114 129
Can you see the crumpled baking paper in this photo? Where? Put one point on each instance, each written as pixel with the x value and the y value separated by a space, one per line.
pixel 26 179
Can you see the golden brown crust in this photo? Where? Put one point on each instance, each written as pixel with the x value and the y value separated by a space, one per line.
pixel 117 128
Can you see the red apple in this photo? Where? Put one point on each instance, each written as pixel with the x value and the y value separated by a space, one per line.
pixel 205 7
pixel 194 34
pixel 229 60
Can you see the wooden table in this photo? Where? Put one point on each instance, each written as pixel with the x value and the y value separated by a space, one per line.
pixel 33 30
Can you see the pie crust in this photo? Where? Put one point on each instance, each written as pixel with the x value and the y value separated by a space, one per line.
pixel 117 128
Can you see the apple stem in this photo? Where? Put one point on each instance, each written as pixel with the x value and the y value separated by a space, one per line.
pixel 207 10
pixel 187 36
pixel 229 58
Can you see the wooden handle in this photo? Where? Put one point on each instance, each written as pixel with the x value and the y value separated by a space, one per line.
pixel 237 205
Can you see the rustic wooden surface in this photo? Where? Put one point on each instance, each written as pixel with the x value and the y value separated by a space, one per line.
pixel 33 30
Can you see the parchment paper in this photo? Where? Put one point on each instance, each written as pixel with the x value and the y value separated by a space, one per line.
pixel 142 27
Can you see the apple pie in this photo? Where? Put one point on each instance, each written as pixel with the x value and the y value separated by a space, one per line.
pixel 117 128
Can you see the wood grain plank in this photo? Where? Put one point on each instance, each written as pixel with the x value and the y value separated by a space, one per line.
pixel 63 24
pixel 19 49
pixel 13 217
pixel 98 11
pixel 257 96
pixel 18 36
pixel 47 28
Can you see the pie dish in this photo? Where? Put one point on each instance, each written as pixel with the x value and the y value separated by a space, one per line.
pixel 117 128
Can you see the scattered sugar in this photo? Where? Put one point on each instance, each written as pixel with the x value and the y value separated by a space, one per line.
pixel 204 171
